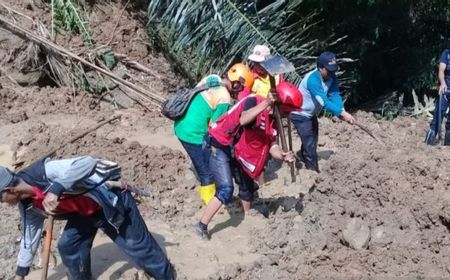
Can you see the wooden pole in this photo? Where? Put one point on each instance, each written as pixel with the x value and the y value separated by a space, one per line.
pixel 47 247
pixel 157 100
pixel 281 131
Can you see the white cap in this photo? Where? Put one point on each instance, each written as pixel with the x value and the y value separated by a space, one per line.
pixel 260 53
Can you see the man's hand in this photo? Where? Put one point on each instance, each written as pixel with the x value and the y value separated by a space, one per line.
pixel 289 156
pixel 272 97
pixel 347 117
pixel 442 88
pixel 50 203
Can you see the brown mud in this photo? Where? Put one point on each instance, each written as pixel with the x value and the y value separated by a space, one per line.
pixel 397 190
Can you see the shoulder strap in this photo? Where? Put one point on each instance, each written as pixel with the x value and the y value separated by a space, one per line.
pixel 207 86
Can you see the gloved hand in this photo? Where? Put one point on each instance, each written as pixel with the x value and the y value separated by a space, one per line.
pixel 207 193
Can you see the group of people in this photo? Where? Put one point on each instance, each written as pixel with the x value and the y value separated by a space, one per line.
pixel 232 143
pixel 228 132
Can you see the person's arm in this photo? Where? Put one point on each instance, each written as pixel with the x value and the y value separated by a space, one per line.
pixel 334 106
pixel 252 110
pixel 441 76
pixel 32 232
pixel 332 102
pixel 63 174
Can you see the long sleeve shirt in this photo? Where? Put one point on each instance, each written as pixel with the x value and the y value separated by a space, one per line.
pixel 318 94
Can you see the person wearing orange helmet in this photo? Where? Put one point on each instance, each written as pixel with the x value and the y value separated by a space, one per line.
pixel 249 128
pixel 207 106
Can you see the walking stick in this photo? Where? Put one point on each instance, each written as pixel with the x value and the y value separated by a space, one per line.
pixel 277 65
pixel 284 146
pixel 291 147
pixel 47 246
pixel 439 120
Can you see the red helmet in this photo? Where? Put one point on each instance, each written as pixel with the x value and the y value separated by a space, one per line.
pixel 289 96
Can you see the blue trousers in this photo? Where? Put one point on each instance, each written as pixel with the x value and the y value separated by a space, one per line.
pixel 445 100
pixel 133 238
pixel 308 130
pixel 200 160
pixel 224 168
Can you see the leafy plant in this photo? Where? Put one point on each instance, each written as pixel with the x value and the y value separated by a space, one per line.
pixel 66 18
pixel 208 36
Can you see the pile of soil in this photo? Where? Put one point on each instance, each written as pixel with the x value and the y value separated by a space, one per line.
pixel 378 208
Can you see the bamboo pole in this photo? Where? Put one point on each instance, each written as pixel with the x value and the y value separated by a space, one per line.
pixel 47 246
pixel 157 100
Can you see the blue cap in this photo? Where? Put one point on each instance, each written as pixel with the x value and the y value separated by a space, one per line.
pixel 328 60
pixel 6 178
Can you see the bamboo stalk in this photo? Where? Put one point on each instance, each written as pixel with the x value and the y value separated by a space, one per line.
pixel 54 47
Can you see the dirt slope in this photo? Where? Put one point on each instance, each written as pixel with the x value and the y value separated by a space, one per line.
pixel 396 192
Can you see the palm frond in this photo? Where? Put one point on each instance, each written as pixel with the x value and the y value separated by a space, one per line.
pixel 207 36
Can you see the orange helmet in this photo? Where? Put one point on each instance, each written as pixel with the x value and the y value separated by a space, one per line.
pixel 290 97
pixel 241 73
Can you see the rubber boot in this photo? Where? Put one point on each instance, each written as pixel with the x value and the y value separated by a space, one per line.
pixel 207 193
pixel 447 138
pixel 430 138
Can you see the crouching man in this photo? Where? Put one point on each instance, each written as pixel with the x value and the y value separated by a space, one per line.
pixel 74 189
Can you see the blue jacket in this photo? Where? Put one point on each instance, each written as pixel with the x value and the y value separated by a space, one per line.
pixel 68 176
pixel 318 94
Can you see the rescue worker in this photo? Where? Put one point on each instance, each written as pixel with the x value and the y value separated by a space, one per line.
pixel 71 189
pixel 207 107
pixel 443 100
pixel 261 85
pixel 248 129
pixel 320 90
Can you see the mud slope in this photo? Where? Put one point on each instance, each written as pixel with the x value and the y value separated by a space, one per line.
pixel 394 193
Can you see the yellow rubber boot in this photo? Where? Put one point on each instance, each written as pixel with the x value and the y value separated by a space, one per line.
pixel 207 193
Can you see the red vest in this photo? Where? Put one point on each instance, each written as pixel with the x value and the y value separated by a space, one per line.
pixel 79 204
pixel 252 148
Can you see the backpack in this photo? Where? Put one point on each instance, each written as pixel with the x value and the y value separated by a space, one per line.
pixel 175 106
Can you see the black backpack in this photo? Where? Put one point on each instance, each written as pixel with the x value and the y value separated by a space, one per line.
pixel 175 106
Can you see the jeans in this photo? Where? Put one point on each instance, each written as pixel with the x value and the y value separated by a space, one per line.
pixel 308 130
pixel 132 237
pixel 224 168
pixel 445 100
pixel 201 162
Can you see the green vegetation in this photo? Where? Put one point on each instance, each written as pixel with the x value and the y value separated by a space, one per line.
pixel 66 17
pixel 384 46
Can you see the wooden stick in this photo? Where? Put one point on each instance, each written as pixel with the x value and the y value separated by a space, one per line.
pixel 54 47
pixel 47 247
pixel 136 65
pixel 366 130
pixel 277 114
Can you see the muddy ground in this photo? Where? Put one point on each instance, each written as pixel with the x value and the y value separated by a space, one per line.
pixel 394 191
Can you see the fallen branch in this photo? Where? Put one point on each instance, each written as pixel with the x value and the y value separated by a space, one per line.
pixel 73 139
pixel 56 48
pixel 136 65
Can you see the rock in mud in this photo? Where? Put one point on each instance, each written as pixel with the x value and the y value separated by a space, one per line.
pixel 356 234
pixel 381 236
